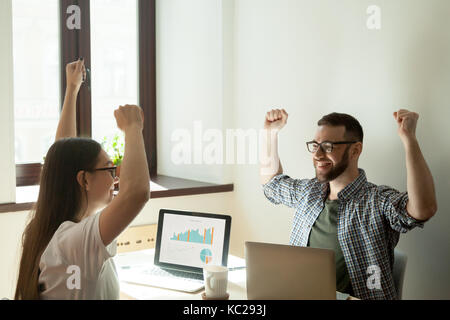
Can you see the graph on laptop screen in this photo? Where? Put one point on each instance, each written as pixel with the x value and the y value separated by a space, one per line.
pixel 192 241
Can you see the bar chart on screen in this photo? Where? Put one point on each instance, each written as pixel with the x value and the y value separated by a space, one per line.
pixel 205 236
pixel 195 241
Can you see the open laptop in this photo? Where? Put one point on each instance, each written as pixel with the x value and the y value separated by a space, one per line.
pixel 283 272
pixel 185 242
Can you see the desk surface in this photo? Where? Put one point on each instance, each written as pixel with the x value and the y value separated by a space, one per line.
pixel 236 282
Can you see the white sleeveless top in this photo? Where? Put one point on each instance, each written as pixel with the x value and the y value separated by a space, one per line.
pixel 77 265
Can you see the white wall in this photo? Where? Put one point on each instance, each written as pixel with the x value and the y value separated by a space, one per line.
pixel 12 226
pixel 315 57
pixel 7 172
pixel 190 78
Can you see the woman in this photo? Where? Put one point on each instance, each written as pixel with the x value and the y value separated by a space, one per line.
pixel 67 245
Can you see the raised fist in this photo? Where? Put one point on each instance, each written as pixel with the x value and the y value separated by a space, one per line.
pixel 276 119
pixel 75 73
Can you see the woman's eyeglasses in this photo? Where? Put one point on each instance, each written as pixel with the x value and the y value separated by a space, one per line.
pixel 112 171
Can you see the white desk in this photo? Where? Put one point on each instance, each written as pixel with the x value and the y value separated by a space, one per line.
pixel 236 281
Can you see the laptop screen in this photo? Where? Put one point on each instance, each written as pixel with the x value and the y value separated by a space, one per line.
pixel 190 240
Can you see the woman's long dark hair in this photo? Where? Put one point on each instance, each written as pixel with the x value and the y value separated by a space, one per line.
pixel 60 199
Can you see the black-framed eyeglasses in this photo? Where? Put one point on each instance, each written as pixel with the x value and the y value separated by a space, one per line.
pixel 112 171
pixel 326 146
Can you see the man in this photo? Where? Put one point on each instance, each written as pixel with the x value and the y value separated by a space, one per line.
pixel 341 210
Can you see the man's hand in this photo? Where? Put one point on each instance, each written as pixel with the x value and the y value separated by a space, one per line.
pixel 276 119
pixel 407 122
pixel 75 74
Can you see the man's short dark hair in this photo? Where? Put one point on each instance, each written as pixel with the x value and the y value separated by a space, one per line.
pixel 353 130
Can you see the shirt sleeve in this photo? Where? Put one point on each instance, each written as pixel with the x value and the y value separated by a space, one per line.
pixel 82 246
pixel 394 208
pixel 285 190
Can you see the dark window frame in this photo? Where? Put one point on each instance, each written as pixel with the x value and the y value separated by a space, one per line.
pixel 77 43
pixel 74 44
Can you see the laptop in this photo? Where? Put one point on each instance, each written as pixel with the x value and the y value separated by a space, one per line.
pixel 185 243
pixel 283 272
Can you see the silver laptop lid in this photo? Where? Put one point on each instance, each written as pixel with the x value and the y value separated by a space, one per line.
pixel 286 272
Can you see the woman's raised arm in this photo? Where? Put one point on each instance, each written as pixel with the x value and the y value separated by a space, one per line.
pixel 67 126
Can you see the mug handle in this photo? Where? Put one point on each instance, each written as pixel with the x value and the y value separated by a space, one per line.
pixel 210 283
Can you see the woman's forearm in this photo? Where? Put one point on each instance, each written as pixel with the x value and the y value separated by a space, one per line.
pixel 67 126
pixel 134 172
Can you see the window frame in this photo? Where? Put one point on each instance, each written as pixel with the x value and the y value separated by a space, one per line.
pixel 77 43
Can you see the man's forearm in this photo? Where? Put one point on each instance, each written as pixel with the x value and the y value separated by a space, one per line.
pixel 270 164
pixel 67 126
pixel 422 203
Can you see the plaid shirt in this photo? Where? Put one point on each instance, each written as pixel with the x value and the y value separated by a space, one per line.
pixel 370 219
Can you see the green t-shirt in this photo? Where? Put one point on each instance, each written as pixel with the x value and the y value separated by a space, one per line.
pixel 324 235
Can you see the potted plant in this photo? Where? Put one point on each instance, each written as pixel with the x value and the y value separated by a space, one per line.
pixel 114 147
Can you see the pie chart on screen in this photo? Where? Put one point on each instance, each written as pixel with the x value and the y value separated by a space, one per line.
pixel 206 256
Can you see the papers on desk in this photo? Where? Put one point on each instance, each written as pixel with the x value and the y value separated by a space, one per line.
pixel 235 263
pixel 341 296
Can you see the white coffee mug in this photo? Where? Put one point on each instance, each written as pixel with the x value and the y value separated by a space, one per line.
pixel 216 281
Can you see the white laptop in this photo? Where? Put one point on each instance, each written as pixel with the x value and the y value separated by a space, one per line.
pixel 185 242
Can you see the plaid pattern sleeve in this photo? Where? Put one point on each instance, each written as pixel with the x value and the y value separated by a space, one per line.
pixel 370 220
pixel 284 190
pixel 394 209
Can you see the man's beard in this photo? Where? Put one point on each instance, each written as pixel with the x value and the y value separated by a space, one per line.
pixel 335 171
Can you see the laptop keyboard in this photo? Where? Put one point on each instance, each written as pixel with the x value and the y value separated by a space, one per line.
pixel 162 278
pixel 156 271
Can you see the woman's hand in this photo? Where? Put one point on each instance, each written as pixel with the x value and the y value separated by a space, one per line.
pixel 75 74
pixel 129 116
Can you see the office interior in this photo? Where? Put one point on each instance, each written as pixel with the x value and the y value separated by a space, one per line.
pixel 221 65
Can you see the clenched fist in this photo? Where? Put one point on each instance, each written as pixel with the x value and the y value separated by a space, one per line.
pixel 407 122
pixel 129 116
pixel 276 119
pixel 75 73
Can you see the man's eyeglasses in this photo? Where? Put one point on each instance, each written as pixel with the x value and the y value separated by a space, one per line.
pixel 326 146
pixel 112 171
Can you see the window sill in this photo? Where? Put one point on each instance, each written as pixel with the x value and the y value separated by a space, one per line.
pixel 160 187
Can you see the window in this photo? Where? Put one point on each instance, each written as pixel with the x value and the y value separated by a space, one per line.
pixel 114 55
pixel 117 40
pixel 37 91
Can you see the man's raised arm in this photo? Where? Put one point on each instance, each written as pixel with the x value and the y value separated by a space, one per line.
pixel 270 164
pixel 422 204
